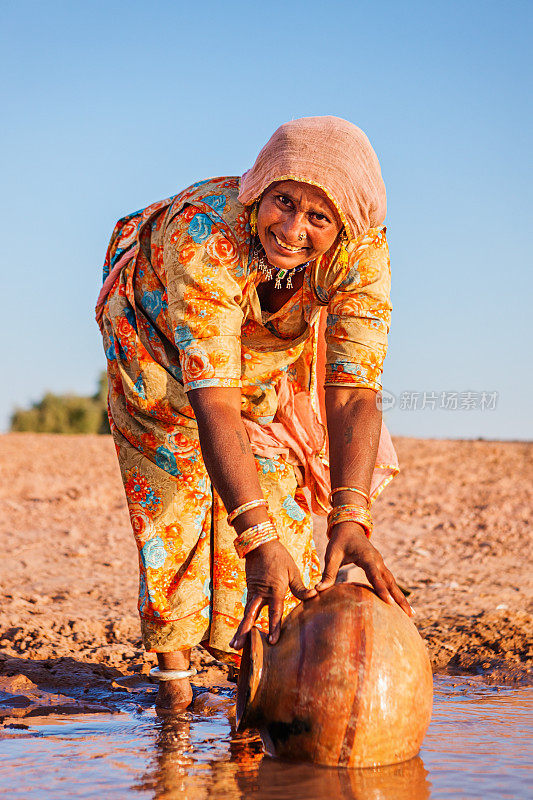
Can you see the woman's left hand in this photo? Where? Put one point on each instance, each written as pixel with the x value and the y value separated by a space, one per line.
pixel 270 571
pixel 348 544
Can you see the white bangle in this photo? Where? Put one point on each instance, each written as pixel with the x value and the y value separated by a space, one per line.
pixel 171 674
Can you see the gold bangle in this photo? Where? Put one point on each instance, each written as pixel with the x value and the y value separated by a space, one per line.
pixel 350 513
pixel 349 489
pixel 253 529
pixel 367 527
pixel 245 507
pixel 253 537
pixel 347 510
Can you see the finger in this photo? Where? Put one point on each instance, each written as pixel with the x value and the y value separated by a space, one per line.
pixel 399 597
pixel 333 562
pixel 251 612
pixel 275 613
pixel 297 586
pixel 375 577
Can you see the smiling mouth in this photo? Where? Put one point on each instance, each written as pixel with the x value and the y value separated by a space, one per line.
pixel 289 248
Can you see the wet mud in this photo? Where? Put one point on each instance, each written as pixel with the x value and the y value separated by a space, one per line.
pixel 454 527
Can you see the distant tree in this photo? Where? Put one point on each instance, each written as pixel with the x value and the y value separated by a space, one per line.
pixel 101 398
pixel 68 413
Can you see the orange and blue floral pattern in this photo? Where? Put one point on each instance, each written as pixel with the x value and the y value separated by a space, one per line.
pixel 192 586
pixel 185 314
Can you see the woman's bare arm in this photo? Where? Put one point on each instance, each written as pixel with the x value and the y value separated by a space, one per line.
pixel 354 425
pixel 270 569
pixel 226 451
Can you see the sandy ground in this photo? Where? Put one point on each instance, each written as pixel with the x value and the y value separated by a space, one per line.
pixel 454 527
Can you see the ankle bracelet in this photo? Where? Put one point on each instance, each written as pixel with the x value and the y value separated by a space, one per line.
pixel 171 674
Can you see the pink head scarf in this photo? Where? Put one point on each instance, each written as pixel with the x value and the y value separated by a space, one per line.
pixel 336 156
pixel 330 153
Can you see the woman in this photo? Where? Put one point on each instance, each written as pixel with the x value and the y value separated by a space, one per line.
pixel 210 315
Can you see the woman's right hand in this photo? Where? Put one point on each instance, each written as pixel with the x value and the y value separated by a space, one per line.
pixel 270 571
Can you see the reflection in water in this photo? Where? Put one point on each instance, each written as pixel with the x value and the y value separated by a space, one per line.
pixel 181 768
pixel 171 761
pixel 478 746
pixel 407 781
pixel 175 772
pixel 214 761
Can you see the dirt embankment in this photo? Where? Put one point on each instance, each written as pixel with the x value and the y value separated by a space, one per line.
pixel 454 527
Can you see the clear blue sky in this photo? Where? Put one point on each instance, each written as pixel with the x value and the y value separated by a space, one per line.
pixel 108 106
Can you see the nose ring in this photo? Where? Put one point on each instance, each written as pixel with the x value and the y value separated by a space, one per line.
pixel 300 237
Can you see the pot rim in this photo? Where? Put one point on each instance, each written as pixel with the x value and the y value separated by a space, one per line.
pixel 250 673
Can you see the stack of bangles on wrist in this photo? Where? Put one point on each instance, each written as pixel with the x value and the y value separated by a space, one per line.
pixel 350 512
pixel 255 536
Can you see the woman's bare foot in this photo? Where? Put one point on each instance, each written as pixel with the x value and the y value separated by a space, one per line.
pixel 173 696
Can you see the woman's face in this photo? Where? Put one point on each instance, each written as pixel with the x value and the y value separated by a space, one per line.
pixel 296 222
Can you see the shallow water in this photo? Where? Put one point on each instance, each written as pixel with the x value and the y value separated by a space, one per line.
pixel 478 746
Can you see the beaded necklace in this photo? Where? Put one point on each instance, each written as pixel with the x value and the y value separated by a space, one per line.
pixel 280 274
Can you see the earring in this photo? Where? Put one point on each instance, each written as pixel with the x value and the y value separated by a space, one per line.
pixel 342 253
pixel 253 219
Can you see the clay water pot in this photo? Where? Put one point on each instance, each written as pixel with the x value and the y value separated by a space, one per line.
pixel 348 684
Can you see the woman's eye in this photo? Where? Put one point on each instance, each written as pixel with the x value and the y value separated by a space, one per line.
pixel 321 218
pixel 283 199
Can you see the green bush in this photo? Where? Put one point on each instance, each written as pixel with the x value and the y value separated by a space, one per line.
pixel 67 413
